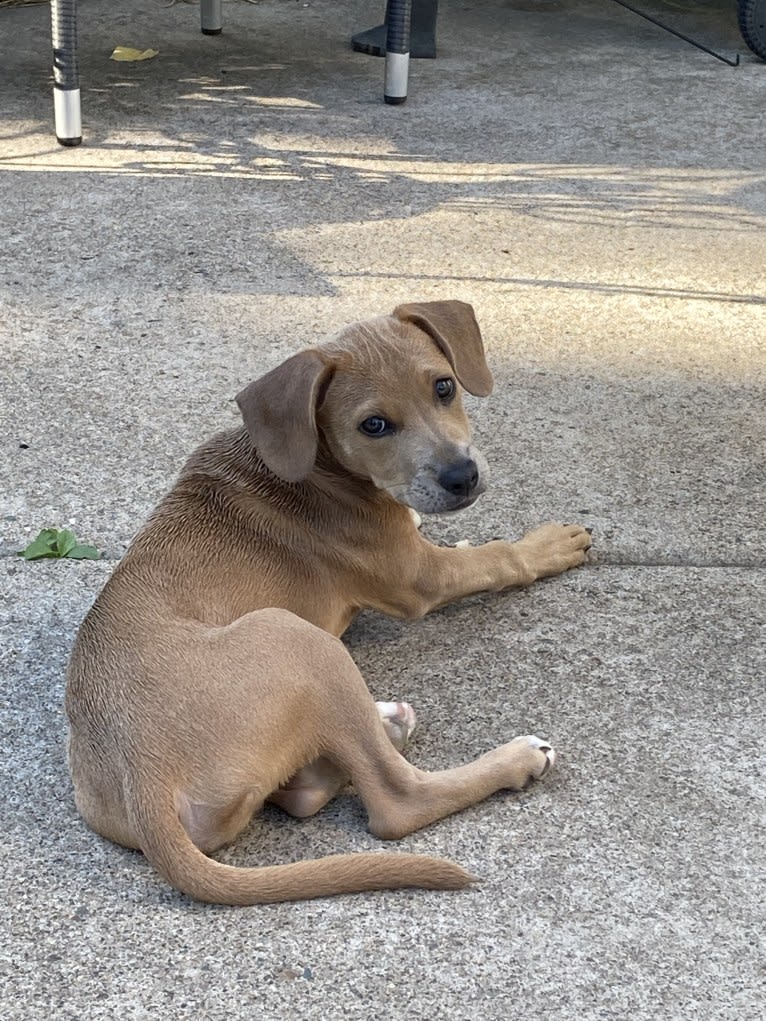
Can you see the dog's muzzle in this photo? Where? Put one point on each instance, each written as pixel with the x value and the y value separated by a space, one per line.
pixel 450 487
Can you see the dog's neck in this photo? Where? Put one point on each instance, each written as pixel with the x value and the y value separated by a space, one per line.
pixel 335 481
pixel 330 484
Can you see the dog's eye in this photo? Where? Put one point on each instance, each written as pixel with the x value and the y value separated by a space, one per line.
pixel 376 425
pixel 445 388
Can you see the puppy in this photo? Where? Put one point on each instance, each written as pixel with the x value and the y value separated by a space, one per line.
pixel 208 677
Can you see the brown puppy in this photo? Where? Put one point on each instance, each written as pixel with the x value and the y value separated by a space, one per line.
pixel 208 676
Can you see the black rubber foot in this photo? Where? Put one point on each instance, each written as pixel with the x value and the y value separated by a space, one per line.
pixel 212 31
pixel 395 100
pixel 69 142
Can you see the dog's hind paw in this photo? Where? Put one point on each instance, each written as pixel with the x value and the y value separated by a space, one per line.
pixel 399 720
pixel 416 518
pixel 521 761
pixel 547 759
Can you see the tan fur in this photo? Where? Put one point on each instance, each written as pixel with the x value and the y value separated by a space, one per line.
pixel 209 677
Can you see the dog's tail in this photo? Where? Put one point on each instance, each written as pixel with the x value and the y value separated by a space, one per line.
pixel 168 847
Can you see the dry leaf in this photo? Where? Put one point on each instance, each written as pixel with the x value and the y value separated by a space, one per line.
pixel 128 53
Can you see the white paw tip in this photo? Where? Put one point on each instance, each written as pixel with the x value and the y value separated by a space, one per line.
pixel 397 712
pixel 463 544
pixel 387 708
pixel 545 748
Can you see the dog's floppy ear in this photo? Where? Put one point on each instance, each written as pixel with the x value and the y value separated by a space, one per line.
pixel 452 325
pixel 279 411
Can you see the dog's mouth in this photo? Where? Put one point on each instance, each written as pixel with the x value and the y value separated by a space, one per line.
pixel 435 501
pixel 469 501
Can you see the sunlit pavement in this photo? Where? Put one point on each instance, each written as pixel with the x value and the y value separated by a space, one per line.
pixel 597 190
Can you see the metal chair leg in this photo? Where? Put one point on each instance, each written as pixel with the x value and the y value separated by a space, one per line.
pixel 66 78
pixel 211 16
pixel 397 51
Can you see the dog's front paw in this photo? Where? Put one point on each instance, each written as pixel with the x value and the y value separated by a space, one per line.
pixel 399 721
pixel 553 548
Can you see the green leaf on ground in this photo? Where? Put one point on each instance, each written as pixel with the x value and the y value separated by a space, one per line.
pixel 54 543
pixel 82 552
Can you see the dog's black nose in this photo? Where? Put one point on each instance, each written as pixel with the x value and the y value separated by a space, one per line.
pixel 461 478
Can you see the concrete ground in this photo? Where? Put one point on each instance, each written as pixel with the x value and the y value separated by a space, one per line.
pixel 597 190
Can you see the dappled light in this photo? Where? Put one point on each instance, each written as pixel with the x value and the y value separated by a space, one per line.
pixel 618 195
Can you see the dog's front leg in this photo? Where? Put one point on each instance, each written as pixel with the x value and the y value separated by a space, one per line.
pixel 445 574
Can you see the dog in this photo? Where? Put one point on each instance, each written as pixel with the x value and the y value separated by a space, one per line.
pixel 209 676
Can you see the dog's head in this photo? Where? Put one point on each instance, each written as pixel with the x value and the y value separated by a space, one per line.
pixel 383 397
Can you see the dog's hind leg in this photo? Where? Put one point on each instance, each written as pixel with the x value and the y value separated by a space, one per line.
pixel 400 798
pixel 317 783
